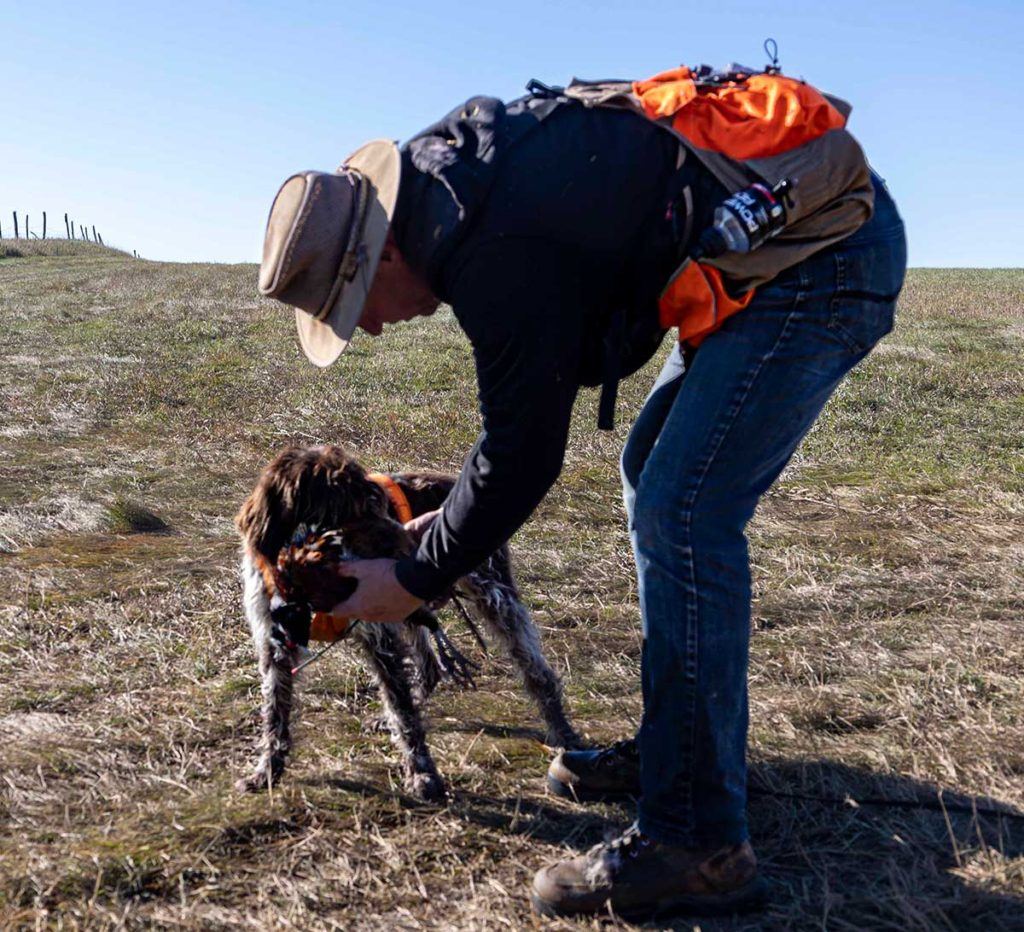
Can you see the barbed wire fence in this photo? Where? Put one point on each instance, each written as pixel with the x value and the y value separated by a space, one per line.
pixel 69 231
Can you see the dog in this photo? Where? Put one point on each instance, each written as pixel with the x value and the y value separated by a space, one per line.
pixel 317 504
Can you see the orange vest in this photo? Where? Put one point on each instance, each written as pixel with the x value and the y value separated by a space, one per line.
pixel 765 115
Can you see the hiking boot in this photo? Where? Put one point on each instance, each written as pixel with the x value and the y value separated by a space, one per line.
pixel 638 878
pixel 589 776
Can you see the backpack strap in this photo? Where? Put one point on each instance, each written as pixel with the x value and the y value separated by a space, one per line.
pixel 612 347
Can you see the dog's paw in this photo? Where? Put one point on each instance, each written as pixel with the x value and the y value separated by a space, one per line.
pixel 427 787
pixel 258 782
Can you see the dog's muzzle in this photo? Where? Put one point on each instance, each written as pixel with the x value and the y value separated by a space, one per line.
pixel 290 622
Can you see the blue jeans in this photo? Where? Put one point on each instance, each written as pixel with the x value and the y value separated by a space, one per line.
pixel 706 446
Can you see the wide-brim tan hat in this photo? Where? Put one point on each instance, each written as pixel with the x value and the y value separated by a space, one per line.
pixel 324 238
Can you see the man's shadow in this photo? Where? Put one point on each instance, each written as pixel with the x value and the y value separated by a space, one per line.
pixel 843 847
pixel 857 849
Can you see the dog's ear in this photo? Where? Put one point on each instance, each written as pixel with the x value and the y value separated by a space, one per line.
pixel 262 518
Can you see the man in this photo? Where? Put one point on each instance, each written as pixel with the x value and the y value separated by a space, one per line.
pixel 551 226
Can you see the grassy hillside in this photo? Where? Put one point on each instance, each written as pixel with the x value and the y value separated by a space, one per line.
pixel 888 662
pixel 60 248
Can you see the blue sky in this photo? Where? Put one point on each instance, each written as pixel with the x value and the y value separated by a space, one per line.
pixel 170 126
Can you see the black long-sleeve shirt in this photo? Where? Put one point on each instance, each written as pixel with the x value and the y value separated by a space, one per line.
pixel 576 225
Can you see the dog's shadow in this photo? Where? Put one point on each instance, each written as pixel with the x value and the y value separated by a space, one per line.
pixel 518 815
pixel 844 845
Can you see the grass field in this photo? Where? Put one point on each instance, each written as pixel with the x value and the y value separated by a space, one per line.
pixel 887 672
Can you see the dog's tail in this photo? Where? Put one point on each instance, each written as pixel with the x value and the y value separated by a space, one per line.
pixel 455 664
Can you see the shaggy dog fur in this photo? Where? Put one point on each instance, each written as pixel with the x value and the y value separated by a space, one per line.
pixel 322 489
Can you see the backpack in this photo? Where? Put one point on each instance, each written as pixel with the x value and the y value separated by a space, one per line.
pixel 747 126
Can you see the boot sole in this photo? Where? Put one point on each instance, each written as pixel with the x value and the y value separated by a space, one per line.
pixel 748 898
pixel 565 791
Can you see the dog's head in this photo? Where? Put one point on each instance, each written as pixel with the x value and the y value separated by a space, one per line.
pixel 315 488
pixel 303 494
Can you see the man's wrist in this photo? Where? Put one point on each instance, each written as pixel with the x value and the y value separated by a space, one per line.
pixel 420 579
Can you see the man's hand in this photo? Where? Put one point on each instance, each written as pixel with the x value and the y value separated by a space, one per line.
pixel 379 595
pixel 419 525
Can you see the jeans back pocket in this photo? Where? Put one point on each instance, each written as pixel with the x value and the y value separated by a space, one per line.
pixel 861 322
pixel 869 276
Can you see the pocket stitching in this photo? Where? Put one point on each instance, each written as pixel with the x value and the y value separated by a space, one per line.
pixel 833 310
pixel 844 334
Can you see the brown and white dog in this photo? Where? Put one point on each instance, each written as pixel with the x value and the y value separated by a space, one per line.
pixel 315 490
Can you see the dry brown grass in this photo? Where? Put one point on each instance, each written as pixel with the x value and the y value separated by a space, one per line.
pixel 886 674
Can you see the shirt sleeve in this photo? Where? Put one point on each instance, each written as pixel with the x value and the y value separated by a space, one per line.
pixel 522 304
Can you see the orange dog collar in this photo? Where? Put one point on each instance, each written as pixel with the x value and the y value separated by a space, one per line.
pixel 398 499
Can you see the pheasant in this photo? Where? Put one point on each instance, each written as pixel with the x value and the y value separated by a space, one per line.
pixel 310 582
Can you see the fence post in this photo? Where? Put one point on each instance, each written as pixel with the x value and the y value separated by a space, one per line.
pixel 44 224
pixel 101 239
pixel 15 223
pixel 67 227
pixel 94 234
pixel 27 234
pixel 81 233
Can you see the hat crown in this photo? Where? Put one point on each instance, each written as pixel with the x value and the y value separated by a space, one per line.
pixel 325 235
pixel 310 225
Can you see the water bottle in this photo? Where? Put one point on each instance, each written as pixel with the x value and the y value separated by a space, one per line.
pixel 745 220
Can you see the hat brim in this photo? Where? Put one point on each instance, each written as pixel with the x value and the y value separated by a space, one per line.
pixel 323 341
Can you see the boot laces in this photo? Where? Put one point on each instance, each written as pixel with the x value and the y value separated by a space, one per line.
pixel 625 749
pixel 630 842
pixel 608 857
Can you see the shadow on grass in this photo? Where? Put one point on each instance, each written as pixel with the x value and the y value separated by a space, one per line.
pixel 854 848
pixel 514 815
pixel 492 730
pixel 857 848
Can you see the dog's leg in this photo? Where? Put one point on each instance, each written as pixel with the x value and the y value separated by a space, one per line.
pixel 428 673
pixel 394 669
pixel 277 686
pixel 493 593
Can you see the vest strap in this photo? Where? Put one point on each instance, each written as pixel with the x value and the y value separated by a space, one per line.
pixel 613 337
